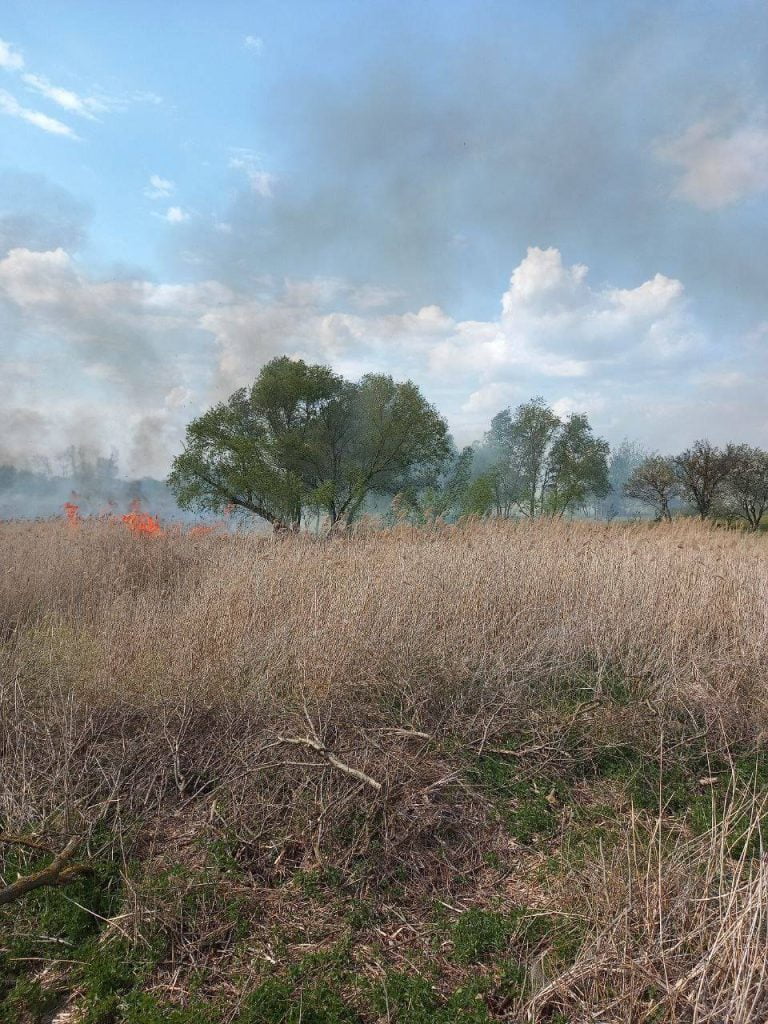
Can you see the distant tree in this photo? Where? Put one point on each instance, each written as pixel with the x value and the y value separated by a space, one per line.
pixel 523 442
pixel 493 484
pixel 577 467
pixel 622 462
pixel 540 464
pixel 745 492
pixel 94 477
pixel 302 438
pixel 702 471
pixel 438 492
pixel 479 498
pixel 654 482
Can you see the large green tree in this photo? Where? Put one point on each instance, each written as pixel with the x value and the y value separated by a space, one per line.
pixel 537 464
pixel 436 492
pixel 302 438
pixel 523 441
pixel 577 467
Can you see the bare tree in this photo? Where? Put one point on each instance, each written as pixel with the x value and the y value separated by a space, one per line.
pixel 745 495
pixel 655 483
pixel 702 472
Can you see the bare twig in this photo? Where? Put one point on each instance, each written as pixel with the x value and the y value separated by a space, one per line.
pixel 32 842
pixel 355 773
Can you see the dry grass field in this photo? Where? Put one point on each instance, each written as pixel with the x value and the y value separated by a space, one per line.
pixel 488 772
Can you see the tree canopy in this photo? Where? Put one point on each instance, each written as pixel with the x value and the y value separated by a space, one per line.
pixel 303 441
pixel 302 438
pixel 702 471
pixel 745 492
pixel 539 464
pixel 654 482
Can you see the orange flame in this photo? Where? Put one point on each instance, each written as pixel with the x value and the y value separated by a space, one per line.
pixel 73 513
pixel 141 522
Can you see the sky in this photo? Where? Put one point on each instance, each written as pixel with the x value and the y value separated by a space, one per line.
pixel 565 198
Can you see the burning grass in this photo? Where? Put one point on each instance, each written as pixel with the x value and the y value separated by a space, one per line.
pixel 488 772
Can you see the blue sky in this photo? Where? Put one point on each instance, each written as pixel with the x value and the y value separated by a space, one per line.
pixel 495 199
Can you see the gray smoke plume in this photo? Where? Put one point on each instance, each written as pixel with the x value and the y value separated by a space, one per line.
pixel 433 185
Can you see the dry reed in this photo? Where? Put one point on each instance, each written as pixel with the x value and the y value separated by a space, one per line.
pixel 148 680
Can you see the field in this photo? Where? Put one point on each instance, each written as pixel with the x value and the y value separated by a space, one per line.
pixel 488 772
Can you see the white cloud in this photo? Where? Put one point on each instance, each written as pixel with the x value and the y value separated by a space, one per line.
pixel 67 99
pixel 720 165
pixel 175 215
pixel 551 308
pixel 624 355
pixel 10 105
pixel 10 59
pixel 553 326
pixel 85 106
pixel 487 400
pixel 159 188
pixel 261 181
pixel 254 43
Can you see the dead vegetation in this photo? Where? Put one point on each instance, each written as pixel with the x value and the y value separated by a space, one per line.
pixel 489 772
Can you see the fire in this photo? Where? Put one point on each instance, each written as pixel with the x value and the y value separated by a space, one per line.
pixel 72 512
pixel 141 522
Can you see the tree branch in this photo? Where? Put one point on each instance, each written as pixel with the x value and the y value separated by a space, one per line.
pixel 306 741
pixel 59 872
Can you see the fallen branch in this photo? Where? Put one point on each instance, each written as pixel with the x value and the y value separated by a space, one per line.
pixel 30 841
pixel 306 741
pixel 59 872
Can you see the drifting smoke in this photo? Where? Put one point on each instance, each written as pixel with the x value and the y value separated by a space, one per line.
pixel 398 198
pixel 85 483
pixel 432 185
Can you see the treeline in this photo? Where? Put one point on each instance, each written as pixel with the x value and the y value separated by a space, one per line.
pixel 84 477
pixel 304 446
pixel 728 483
pixel 303 443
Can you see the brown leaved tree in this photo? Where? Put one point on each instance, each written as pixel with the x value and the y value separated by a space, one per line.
pixel 702 472
pixel 655 483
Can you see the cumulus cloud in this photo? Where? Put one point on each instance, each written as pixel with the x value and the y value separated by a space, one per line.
pixel 720 165
pixel 159 187
pixel 166 351
pixel 555 334
pixel 175 215
pixel 261 182
pixel 555 324
pixel 10 59
pixel 10 105
pixel 254 43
